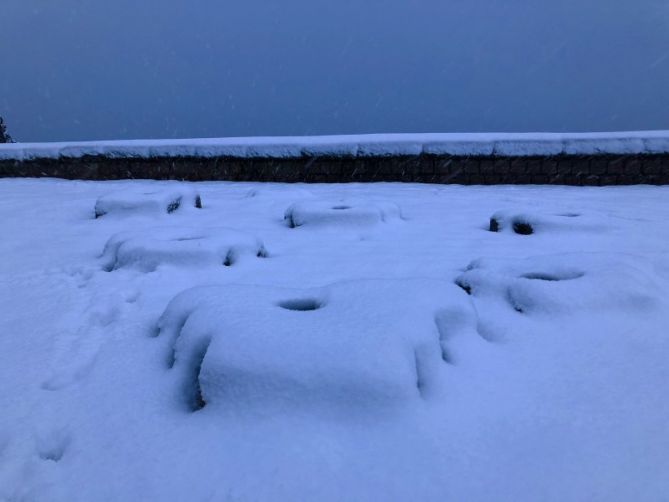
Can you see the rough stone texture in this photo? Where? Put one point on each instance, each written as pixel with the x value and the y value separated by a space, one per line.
pixel 485 170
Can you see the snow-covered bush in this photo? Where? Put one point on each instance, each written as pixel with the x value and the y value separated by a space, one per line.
pixel 360 345
pixel 342 212
pixel 183 247
pixel 158 202
pixel 530 222
pixel 563 284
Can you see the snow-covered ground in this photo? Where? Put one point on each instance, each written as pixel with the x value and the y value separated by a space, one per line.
pixel 332 342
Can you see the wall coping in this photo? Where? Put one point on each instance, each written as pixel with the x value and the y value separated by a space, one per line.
pixel 366 145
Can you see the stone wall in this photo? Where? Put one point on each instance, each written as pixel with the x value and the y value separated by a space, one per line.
pixel 605 169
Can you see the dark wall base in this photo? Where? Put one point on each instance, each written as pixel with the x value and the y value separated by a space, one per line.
pixel 557 170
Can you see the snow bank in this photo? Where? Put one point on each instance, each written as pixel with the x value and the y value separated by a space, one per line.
pixel 512 144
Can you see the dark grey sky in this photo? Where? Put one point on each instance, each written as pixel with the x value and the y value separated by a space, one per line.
pixel 105 69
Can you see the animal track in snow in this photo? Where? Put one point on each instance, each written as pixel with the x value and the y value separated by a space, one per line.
pixel 75 351
pixel 52 446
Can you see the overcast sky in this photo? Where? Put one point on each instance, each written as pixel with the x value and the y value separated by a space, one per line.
pixel 105 69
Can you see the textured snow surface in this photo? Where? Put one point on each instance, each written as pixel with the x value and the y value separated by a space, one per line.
pixel 387 345
pixel 633 142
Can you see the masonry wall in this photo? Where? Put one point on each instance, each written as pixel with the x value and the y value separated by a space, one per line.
pixel 489 170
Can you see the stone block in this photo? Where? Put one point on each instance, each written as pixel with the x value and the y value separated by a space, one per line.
pixel 501 166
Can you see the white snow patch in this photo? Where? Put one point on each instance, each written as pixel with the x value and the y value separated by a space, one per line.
pixel 547 382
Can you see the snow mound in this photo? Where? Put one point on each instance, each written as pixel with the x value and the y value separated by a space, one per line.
pixel 530 222
pixel 148 250
pixel 360 345
pixel 340 212
pixel 564 284
pixel 169 201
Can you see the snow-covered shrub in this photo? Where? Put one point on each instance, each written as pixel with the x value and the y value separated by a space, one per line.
pixel 183 247
pixel 360 345
pixel 530 222
pixel 563 284
pixel 4 135
pixel 157 202
pixel 343 212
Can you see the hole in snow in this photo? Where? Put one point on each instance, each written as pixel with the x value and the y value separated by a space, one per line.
pixel 465 287
pixel 301 304
pixel 288 218
pixel 182 239
pixel 229 259
pixel 174 205
pixel 341 207
pixel 54 455
pixel 522 228
pixel 52 448
pixel 542 276
pixel 494 225
pixel 570 215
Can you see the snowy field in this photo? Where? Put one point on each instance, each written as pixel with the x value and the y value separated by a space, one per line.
pixel 221 341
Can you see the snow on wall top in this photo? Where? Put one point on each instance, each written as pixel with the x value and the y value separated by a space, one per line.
pixel 511 144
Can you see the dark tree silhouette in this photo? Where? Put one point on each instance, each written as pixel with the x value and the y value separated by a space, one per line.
pixel 4 137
